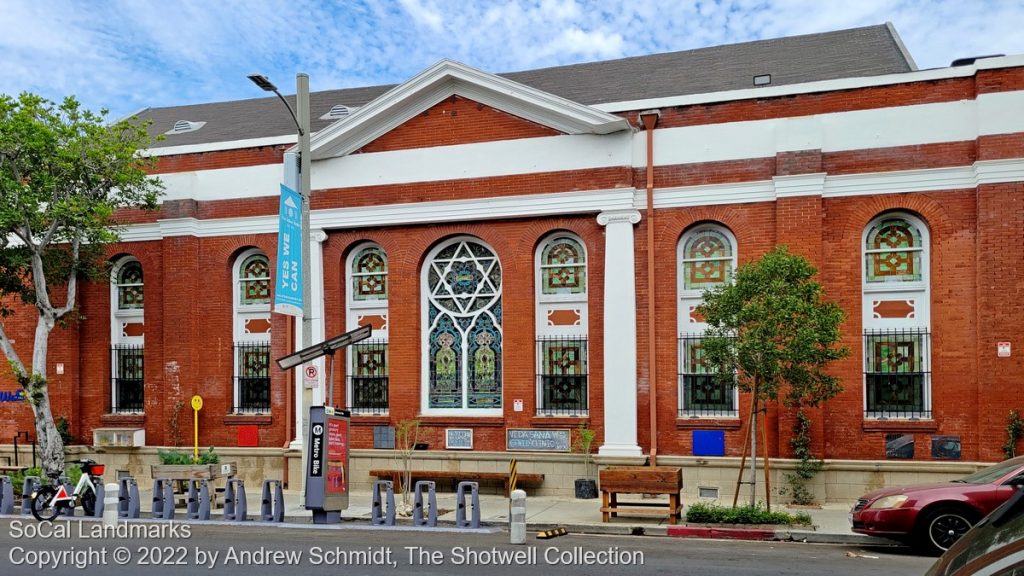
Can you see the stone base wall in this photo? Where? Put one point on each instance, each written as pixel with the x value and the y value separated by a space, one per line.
pixel 841 481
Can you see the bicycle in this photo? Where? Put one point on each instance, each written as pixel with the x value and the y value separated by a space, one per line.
pixel 49 501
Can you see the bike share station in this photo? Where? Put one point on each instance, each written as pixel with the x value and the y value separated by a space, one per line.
pixel 327 470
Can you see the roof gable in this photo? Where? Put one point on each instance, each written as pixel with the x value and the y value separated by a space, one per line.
pixel 448 78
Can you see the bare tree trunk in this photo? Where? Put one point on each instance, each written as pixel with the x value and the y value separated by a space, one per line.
pixel 51 447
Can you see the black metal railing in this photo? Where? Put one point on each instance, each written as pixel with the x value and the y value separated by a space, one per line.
pixel 562 375
pixel 702 392
pixel 368 380
pixel 252 377
pixel 127 378
pixel 897 373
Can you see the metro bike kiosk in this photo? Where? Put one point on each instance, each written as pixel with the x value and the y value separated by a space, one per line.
pixel 327 475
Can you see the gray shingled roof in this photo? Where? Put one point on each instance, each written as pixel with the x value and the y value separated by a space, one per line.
pixel 868 51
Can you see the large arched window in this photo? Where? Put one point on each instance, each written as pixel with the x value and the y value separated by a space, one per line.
pixel 251 279
pixel 127 337
pixel 896 318
pixel 462 347
pixel 366 272
pixel 562 358
pixel 706 259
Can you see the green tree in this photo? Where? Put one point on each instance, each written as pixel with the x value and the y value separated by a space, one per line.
pixel 63 173
pixel 772 327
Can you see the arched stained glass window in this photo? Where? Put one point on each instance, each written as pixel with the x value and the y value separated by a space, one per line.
pixel 254 280
pixel 370 275
pixel 707 259
pixel 563 267
pixel 464 337
pixel 130 286
pixel 893 251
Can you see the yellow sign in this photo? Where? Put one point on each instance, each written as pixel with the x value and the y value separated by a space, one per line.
pixel 197 405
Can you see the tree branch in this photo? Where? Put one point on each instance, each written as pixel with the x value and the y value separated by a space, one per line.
pixel 72 278
pixel 39 281
pixel 9 351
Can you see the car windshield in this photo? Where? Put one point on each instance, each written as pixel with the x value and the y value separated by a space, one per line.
pixel 992 473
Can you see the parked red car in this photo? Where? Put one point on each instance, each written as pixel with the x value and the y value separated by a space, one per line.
pixel 932 517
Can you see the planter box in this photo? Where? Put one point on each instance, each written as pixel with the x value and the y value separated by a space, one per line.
pixel 641 480
pixel 193 471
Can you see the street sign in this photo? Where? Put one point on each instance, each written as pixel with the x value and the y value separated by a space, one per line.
pixel 310 376
pixel 288 284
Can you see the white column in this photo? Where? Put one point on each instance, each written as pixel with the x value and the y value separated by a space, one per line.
pixel 619 334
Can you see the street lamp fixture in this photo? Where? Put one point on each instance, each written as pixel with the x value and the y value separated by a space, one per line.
pixel 264 83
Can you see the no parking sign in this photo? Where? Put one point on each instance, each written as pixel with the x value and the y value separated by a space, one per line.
pixel 310 376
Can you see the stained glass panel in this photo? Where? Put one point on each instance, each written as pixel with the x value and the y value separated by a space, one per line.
pixel 254 280
pixel 446 348
pixel 893 252
pixel 464 341
pixel 130 286
pixel 707 260
pixel 485 367
pixel 370 275
pixel 563 268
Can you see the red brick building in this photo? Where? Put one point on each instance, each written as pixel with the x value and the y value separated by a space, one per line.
pixel 497 232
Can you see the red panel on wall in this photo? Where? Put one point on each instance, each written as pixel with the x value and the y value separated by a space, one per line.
pixel 248 436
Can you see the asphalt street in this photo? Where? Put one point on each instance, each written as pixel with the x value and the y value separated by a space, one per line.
pixel 71 547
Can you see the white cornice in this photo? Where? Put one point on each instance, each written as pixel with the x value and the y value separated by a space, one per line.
pixel 896 182
pixel 444 79
pixel 216 146
pixel 596 201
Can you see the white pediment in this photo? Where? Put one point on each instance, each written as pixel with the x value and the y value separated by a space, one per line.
pixel 447 78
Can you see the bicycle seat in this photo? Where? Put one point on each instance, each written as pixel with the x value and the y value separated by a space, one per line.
pixel 54 475
pixel 82 461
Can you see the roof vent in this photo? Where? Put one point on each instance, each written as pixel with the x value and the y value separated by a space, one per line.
pixel 762 79
pixel 971 59
pixel 338 111
pixel 182 126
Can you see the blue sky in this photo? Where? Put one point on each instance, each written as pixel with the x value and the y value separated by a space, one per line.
pixel 130 54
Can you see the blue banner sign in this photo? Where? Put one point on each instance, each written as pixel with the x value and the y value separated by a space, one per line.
pixel 18 396
pixel 288 285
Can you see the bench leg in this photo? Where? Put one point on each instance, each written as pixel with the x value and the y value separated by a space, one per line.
pixel 604 507
pixel 615 504
pixel 673 505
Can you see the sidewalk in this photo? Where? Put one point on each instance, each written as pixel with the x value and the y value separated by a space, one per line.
pixel 831 523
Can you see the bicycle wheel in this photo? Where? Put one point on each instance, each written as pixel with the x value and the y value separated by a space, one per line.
pixel 41 504
pixel 89 503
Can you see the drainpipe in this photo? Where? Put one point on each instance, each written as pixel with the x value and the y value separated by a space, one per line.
pixel 649 118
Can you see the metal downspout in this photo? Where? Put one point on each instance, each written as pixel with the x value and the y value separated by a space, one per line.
pixel 649 118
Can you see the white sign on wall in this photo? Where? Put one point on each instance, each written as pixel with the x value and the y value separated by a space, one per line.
pixel 1003 349
pixel 517 405
pixel 310 376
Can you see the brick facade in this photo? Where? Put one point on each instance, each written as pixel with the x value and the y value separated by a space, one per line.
pixel 975 258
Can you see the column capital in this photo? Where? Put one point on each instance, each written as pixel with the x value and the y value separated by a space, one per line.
pixel 618 217
pixel 318 236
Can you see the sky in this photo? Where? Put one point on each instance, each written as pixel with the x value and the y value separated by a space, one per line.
pixel 126 55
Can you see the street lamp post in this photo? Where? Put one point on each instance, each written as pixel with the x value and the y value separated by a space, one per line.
pixel 302 125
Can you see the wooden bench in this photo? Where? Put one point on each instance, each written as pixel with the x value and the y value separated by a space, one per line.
pixel 661 480
pixel 14 469
pixel 395 476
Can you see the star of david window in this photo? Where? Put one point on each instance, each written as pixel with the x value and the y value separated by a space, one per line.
pixel 464 337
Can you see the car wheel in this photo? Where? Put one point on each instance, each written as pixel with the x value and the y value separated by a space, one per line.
pixel 942 527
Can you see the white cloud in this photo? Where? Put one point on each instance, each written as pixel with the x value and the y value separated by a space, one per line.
pixel 126 54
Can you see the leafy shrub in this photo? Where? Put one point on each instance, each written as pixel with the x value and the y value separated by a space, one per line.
pixel 64 429
pixel 714 514
pixel 179 458
pixel 73 472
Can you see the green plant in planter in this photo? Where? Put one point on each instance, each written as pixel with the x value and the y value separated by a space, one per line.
pixel 585 445
pixel 703 513
pixel 179 458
